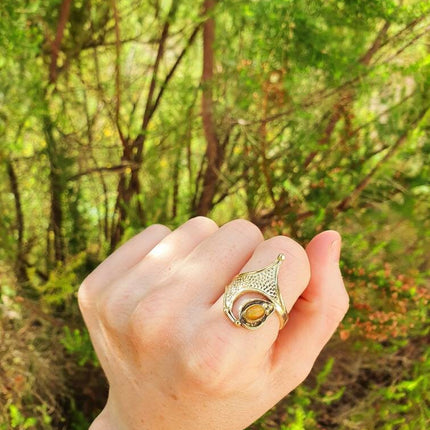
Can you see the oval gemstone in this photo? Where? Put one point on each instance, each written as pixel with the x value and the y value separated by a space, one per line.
pixel 254 312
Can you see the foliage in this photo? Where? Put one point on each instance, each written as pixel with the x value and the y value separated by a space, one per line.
pixel 299 410
pixel 32 380
pixel 78 343
pixel 314 115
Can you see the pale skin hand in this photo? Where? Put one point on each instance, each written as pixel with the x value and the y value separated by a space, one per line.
pixel 172 358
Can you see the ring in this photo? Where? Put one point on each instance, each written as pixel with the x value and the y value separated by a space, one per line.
pixel 254 312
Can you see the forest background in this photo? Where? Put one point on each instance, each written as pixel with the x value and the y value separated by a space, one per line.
pixel 298 115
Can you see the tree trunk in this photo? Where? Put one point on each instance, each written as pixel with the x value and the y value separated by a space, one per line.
pixel 128 187
pixel 56 44
pixel 56 190
pixel 20 271
pixel 129 183
pixel 214 150
pixel 55 180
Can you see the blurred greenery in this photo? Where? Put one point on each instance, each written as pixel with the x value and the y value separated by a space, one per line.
pixel 313 115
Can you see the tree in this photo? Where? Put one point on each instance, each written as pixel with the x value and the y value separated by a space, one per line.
pixel 297 115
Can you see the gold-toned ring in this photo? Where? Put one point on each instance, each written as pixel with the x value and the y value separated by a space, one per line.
pixel 254 312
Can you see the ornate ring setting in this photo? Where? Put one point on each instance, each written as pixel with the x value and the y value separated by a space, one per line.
pixel 255 311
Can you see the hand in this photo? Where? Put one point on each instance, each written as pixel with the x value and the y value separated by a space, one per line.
pixel 172 358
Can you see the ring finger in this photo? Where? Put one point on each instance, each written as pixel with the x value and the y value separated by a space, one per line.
pixel 230 341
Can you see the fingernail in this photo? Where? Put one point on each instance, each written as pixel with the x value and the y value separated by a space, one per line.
pixel 335 250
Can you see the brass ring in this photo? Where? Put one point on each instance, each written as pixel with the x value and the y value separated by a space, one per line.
pixel 254 312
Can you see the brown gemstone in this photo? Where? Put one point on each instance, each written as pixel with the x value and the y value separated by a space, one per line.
pixel 254 312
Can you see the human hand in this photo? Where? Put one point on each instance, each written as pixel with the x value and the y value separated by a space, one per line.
pixel 173 360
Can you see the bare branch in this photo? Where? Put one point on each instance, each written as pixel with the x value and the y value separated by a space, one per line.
pixel 174 67
pixel 119 168
pixel 117 69
pixel 214 150
pixel 349 199
pixel 160 53
pixel 376 45
pixel 56 44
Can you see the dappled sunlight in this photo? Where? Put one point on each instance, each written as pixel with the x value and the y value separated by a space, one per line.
pixel 299 116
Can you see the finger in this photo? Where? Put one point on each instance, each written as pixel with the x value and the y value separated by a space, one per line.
pixel 292 279
pixel 294 272
pixel 118 300
pixel 127 256
pixel 176 246
pixel 115 267
pixel 186 296
pixel 216 260
pixel 314 317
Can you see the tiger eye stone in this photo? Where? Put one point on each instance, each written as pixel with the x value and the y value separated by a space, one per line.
pixel 254 313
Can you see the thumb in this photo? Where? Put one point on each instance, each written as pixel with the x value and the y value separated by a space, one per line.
pixel 317 312
pixel 326 285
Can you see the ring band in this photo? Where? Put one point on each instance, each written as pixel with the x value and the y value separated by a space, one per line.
pixel 254 312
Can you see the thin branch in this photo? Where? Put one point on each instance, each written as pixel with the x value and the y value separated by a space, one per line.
pixel 341 108
pixel 381 114
pixel 100 92
pixel 410 43
pixel 408 27
pixel 117 70
pixel 160 53
pixel 265 218
pixel 347 201
pixel 319 95
pixel 174 67
pixel 56 44
pixel 18 206
pixel 119 168
pixel 104 44
pixel 376 45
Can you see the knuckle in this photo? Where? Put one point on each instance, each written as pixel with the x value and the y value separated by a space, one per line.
pixel 339 308
pixel 245 228
pixel 85 295
pixel 331 315
pixel 148 324
pixel 344 301
pixel 106 308
pixel 203 223
pixel 112 311
pixel 331 310
pixel 209 366
pixel 157 228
